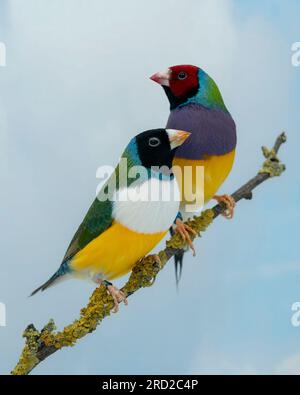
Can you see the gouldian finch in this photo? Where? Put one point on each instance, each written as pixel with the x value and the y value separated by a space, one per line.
pixel 197 106
pixel 127 218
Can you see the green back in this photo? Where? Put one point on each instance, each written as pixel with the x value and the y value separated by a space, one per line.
pixel 97 220
pixel 100 215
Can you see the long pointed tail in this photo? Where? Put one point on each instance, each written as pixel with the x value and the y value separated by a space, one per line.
pixel 57 276
pixel 178 259
pixel 52 280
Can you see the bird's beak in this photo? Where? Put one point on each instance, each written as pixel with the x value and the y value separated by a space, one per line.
pixel 177 137
pixel 162 77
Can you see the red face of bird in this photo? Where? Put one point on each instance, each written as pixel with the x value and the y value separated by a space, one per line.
pixel 181 81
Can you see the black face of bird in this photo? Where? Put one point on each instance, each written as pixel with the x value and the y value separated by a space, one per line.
pixel 156 147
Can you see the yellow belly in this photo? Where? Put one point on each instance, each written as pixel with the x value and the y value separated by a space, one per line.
pixel 216 169
pixel 114 252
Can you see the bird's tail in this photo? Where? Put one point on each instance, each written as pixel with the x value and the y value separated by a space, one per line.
pixel 178 260
pixel 57 276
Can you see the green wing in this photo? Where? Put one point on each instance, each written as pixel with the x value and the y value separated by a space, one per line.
pixel 99 217
pixel 97 220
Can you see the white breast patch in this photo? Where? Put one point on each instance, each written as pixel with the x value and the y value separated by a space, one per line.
pixel 150 207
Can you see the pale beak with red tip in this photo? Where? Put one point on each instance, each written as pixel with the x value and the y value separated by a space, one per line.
pixel 162 77
pixel 177 137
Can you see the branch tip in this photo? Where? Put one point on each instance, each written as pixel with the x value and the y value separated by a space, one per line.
pixel 40 345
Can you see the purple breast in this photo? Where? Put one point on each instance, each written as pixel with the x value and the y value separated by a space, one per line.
pixel 213 131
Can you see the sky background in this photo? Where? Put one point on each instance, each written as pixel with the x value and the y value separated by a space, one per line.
pixel 74 91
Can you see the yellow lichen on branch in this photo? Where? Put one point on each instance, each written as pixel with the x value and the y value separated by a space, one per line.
pixel 100 304
pixel 41 344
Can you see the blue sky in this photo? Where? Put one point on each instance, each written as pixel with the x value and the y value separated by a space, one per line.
pixel 74 91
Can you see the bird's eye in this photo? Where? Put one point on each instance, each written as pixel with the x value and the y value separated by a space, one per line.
pixel 154 142
pixel 182 75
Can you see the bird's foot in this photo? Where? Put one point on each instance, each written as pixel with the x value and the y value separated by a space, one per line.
pixel 230 204
pixel 184 231
pixel 157 259
pixel 117 295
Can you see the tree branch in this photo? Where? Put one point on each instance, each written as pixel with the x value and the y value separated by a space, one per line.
pixel 41 344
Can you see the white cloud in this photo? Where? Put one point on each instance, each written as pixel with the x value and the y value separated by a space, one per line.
pixel 289 365
pixel 281 269
pixel 222 364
